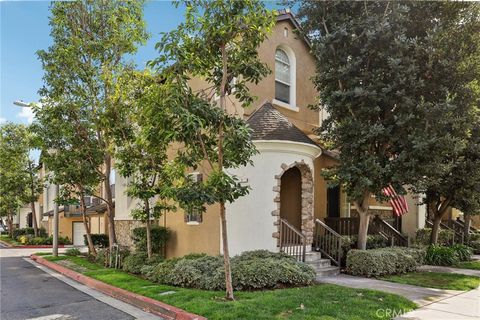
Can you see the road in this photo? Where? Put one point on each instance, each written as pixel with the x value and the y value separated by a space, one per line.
pixel 27 292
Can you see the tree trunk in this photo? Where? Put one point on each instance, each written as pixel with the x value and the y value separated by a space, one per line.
pixel 148 229
pixel 32 203
pixel 10 225
pixel 112 239
pixel 34 219
pixel 466 227
pixel 437 219
pixel 226 254
pixel 364 219
pixel 86 224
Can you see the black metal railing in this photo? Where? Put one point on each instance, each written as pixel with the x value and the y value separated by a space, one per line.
pixel 328 242
pixel 292 241
pixel 394 237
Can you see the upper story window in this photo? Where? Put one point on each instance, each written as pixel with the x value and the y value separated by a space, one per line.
pixel 282 76
pixel 285 80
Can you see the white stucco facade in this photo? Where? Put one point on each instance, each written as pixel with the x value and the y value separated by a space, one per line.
pixel 123 203
pixel 250 222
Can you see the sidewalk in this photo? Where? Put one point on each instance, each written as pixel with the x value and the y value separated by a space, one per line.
pixel 420 295
pixel 463 306
pixel 466 272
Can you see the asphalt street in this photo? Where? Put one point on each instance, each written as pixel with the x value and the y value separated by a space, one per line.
pixel 28 293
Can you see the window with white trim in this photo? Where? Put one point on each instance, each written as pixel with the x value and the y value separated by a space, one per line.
pixel 283 76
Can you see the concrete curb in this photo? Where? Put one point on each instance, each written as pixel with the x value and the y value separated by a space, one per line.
pixel 149 305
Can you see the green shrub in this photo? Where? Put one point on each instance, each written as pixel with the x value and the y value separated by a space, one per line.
pixel 72 252
pixel 444 236
pixel 379 262
pixel 475 245
pixel 441 256
pixel 42 233
pixel 134 262
pixel 100 240
pixel 463 252
pixel 160 236
pixel 253 270
pixel 474 236
pixel 101 257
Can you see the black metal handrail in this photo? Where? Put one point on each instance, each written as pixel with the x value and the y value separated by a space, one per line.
pixel 328 242
pixel 292 241
pixel 384 228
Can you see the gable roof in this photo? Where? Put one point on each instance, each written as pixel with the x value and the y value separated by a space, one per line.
pixel 267 123
pixel 287 15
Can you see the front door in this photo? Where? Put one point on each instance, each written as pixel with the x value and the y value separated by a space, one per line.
pixel 78 232
pixel 291 197
pixel 333 202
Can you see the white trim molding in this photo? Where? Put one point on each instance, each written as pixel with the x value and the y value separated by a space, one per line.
pixel 286 146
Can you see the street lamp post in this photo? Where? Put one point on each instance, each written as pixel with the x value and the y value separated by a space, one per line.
pixel 23 104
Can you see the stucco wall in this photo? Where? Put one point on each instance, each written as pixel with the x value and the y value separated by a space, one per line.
pixel 250 222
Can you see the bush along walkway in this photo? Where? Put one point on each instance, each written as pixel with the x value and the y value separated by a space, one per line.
pixel 313 302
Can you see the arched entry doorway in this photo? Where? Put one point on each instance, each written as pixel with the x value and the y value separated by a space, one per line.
pixel 294 198
pixel 291 197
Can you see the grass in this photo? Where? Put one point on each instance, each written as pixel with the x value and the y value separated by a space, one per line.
pixel 324 302
pixel 439 280
pixel 473 265
pixel 6 238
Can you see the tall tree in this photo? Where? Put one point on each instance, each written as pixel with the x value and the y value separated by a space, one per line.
pixel 141 154
pixel 70 153
pixel 365 75
pixel 440 151
pixel 14 180
pixel 218 42
pixel 91 41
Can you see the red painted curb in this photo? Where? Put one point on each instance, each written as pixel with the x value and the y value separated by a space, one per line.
pixel 148 304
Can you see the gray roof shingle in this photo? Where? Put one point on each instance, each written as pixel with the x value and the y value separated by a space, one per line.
pixel 268 123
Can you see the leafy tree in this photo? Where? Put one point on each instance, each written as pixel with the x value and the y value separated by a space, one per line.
pixel 13 157
pixel 141 155
pixel 441 151
pixel 218 42
pixel 392 76
pixel 35 183
pixel 365 75
pixel 91 41
pixel 70 153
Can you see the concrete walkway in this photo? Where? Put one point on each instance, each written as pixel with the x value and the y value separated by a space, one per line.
pixel 420 295
pixel 463 306
pixel 466 272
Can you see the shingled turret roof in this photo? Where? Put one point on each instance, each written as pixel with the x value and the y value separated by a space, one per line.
pixel 268 123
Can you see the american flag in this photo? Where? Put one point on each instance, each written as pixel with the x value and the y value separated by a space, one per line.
pixel 398 202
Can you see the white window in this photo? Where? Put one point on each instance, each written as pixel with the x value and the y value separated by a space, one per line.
pixel 285 78
pixel 282 76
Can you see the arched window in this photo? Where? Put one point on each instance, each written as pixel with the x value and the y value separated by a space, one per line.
pixel 283 76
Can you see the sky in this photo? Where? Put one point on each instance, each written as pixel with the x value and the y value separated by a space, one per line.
pixel 24 29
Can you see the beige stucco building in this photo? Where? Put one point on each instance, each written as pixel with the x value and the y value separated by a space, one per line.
pixel 285 177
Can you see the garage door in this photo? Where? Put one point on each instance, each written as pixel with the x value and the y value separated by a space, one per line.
pixel 78 232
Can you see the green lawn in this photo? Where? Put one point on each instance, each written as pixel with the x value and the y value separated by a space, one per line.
pixel 474 265
pixel 449 281
pixel 6 238
pixel 315 302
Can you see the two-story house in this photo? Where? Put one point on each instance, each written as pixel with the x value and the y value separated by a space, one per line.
pixel 287 189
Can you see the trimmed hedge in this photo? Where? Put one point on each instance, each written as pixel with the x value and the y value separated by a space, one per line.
pixel 251 270
pixel 160 236
pixel 444 236
pixel 42 233
pixel 31 240
pixel 100 240
pixel 384 261
pixel 134 262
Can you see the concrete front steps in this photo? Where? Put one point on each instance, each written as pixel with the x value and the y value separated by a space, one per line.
pixel 323 267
